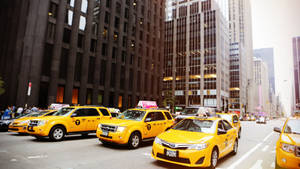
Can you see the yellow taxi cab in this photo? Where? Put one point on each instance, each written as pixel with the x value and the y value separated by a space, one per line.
pixel 196 142
pixel 233 119
pixel 288 144
pixel 20 124
pixel 135 125
pixel 68 120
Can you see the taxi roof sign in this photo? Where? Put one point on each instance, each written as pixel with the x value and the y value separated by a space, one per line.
pixel 147 104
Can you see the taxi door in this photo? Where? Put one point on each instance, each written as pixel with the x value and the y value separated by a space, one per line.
pixel 161 122
pixel 231 135
pixel 170 121
pixel 151 126
pixel 77 121
pixel 222 140
pixel 92 119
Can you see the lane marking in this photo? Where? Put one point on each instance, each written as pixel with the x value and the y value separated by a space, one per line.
pixel 148 155
pixel 232 166
pixel 257 165
pixel 265 148
pixel 3 151
pixel 13 160
pixel 37 156
pixel 273 165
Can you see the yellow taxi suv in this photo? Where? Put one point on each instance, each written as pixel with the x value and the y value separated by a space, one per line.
pixel 196 142
pixel 69 120
pixel 20 124
pixel 288 144
pixel 233 119
pixel 133 126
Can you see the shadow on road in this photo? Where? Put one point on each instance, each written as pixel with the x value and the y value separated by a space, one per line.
pixel 18 134
pixel 125 146
pixel 67 138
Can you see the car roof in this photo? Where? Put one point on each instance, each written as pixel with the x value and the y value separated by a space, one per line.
pixel 147 109
pixel 86 107
pixel 205 118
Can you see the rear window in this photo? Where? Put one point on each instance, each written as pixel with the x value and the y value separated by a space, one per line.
pixel 104 112
pixel 169 117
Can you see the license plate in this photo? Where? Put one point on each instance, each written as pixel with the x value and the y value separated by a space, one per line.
pixel 105 133
pixel 171 153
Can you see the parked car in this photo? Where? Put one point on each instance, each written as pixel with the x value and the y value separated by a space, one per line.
pixel 195 111
pixel 261 120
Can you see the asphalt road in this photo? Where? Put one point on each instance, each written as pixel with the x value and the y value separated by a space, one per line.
pixel 256 151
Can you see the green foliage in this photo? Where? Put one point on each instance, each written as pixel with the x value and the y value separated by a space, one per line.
pixel 2 90
pixel 169 99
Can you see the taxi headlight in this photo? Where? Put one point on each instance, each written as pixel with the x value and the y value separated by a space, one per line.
pixel 24 122
pixel 198 146
pixel 99 126
pixel 287 147
pixel 158 140
pixel 121 129
pixel 42 122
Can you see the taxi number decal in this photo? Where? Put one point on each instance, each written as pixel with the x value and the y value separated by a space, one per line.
pixel 77 122
pixel 149 127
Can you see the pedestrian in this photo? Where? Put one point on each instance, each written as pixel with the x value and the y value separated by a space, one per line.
pixel 19 111
pixel 7 113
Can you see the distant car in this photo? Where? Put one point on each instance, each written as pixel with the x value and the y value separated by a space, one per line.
pixel 114 112
pixel 261 120
pixel 252 118
pixel 4 124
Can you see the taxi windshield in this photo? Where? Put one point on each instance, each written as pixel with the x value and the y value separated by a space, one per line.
pixel 189 111
pixel 292 126
pixel 195 125
pixel 226 117
pixel 132 115
pixel 63 111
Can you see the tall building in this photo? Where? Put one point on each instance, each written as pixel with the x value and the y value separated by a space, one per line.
pixel 106 52
pixel 261 91
pixel 296 54
pixel 240 43
pixel 267 55
pixel 196 58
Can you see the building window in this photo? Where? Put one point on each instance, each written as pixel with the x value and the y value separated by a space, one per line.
pixel 117 22
pixel 75 96
pixel 89 96
pixel 91 69
pixel 108 3
pixel 118 8
pixel 71 3
pixel 122 78
pixel 125 28
pixel 124 41
pixel 111 99
pixel 69 17
pixel 103 72
pixel 50 31
pixel 100 98
pixel 113 75
pixel 53 10
pixel 104 33
pixel 80 41
pixel 116 35
pixel 67 35
pixel 84 6
pixel 47 58
pixel 104 49
pixel 82 23
pixel 120 102
pixel 126 13
pixel 60 94
pixel 78 64
pixel 114 52
pixel 93 46
pixel 107 16
pixel 63 63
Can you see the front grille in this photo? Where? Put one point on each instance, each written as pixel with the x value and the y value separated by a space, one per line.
pixel 33 122
pixel 176 159
pixel 175 146
pixel 298 151
pixel 108 128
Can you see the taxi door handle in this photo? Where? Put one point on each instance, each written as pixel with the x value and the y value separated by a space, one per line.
pixel 83 119
pixel 98 118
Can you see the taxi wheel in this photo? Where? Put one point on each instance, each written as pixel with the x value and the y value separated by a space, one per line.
pixel 57 133
pixel 239 134
pixel 134 140
pixel 235 147
pixel 214 158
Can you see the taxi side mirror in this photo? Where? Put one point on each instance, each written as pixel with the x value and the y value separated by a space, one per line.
pixel 74 114
pixel 221 131
pixel 277 129
pixel 147 119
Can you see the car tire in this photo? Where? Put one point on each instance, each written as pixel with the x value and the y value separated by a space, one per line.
pixel 214 159
pixel 235 147
pixel 134 140
pixel 57 133
pixel 85 134
pixel 239 134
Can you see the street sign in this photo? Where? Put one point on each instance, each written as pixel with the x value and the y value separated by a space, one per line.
pixel 29 89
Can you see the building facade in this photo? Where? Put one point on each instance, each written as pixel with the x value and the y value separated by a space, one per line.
pixel 106 52
pixel 296 85
pixel 196 57
pixel 262 103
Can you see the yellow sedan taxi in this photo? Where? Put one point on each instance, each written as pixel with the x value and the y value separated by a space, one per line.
pixel 196 142
pixel 20 125
pixel 134 125
pixel 288 144
pixel 233 119
pixel 68 120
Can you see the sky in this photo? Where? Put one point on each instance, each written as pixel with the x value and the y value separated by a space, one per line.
pixel 274 24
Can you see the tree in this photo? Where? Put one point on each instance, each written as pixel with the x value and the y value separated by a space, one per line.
pixel 2 90
pixel 169 100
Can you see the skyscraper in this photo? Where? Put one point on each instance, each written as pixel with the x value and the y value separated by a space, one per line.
pixel 196 58
pixel 81 51
pixel 296 53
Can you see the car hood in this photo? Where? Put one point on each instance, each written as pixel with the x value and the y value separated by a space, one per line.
pixel 119 122
pixel 185 137
pixel 293 139
pixel 16 121
pixel 49 118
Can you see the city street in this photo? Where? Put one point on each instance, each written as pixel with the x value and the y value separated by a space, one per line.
pixel 256 151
